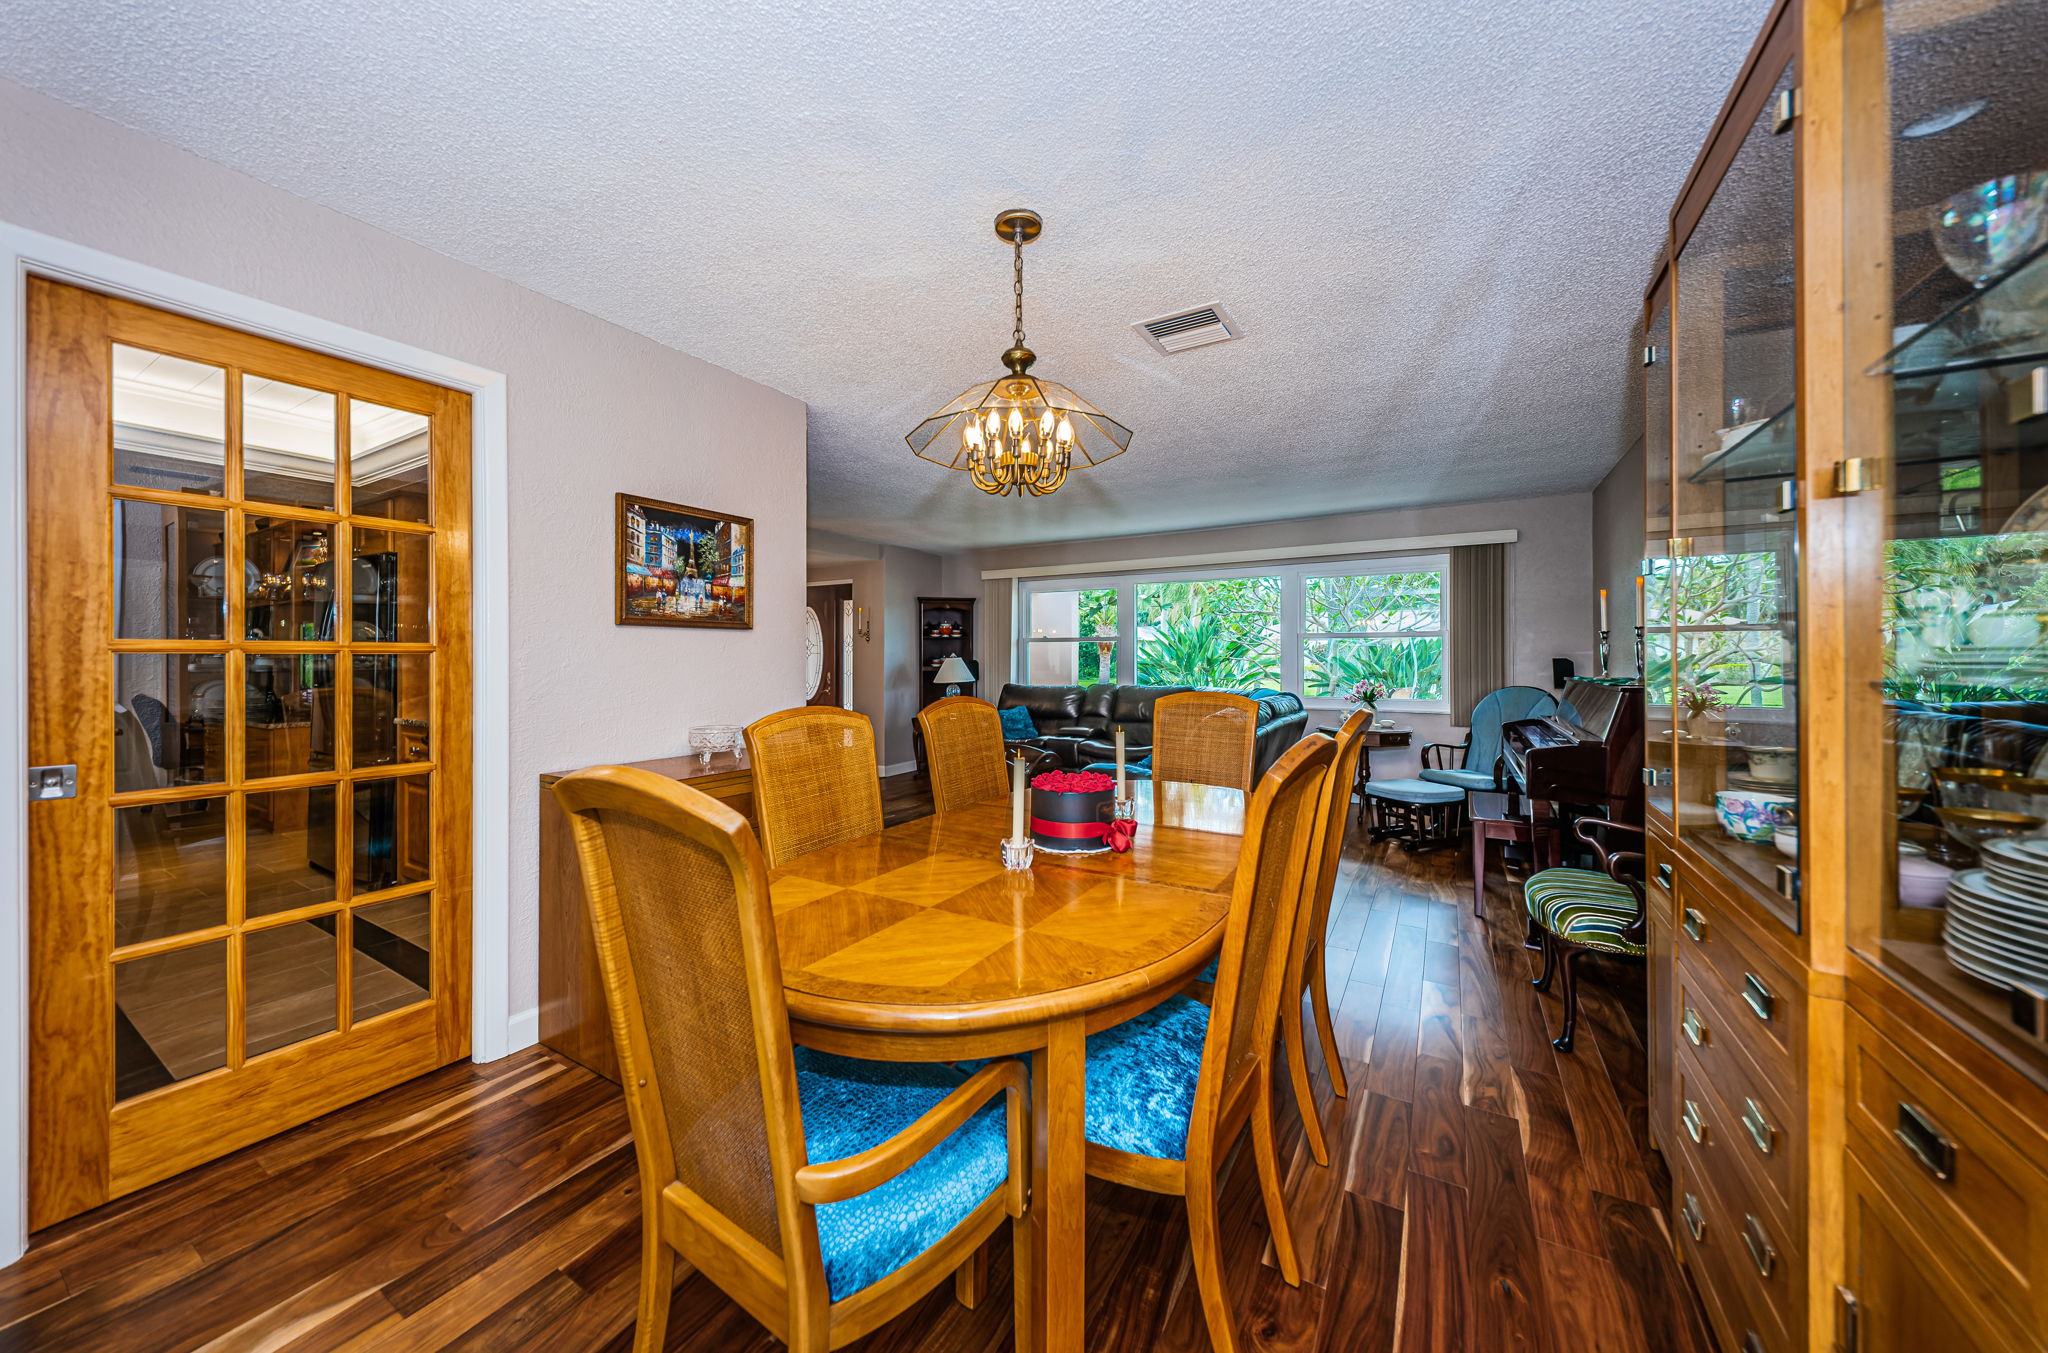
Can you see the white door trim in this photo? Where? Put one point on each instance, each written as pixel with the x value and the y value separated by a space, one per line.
pixel 25 252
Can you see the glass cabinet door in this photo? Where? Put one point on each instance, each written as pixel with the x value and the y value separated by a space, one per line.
pixel 1733 587
pixel 1965 601
pixel 1658 751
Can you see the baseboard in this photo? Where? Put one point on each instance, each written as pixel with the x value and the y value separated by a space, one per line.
pixel 897 768
pixel 522 1030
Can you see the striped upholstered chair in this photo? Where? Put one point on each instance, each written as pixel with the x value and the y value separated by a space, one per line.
pixel 1579 911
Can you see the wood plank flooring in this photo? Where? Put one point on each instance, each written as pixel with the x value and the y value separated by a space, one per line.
pixel 1485 1193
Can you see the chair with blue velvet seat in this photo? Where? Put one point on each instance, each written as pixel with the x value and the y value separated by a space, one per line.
pixel 823 1194
pixel 1581 911
pixel 1478 756
pixel 1172 1089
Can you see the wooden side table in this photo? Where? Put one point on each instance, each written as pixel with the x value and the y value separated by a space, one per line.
pixel 572 1015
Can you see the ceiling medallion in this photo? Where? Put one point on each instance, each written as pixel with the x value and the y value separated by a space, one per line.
pixel 1018 432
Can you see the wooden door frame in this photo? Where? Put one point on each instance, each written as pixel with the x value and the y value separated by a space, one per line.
pixel 495 1029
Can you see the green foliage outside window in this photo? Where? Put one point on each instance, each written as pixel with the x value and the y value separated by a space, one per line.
pixel 1221 632
pixel 1963 618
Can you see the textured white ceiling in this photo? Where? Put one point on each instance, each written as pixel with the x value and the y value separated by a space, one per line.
pixel 1433 220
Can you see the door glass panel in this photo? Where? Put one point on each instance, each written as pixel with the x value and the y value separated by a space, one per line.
pixel 290 849
pixel 393 947
pixel 288 979
pixel 169 714
pixel 170 1017
pixel 289 577
pixel 287 443
pixel 1965 681
pixel 393 832
pixel 170 869
pixel 388 462
pixel 1658 572
pixel 287 692
pixel 394 698
pixel 1734 598
pixel 170 422
pixel 170 572
pixel 388 587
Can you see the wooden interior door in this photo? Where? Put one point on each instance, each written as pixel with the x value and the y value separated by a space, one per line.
pixel 826 604
pixel 248 631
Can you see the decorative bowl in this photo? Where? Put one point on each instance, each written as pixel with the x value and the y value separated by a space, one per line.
pixel 1923 883
pixel 714 738
pixel 1984 230
pixel 1774 765
pixel 1974 826
pixel 1786 839
pixel 1969 786
pixel 1749 815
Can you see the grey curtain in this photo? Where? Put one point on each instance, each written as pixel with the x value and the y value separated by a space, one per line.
pixel 1478 632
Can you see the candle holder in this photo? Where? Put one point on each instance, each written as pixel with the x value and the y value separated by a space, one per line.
pixel 1603 652
pixel 1641 669
pixel 1124 810
pixel 1017 855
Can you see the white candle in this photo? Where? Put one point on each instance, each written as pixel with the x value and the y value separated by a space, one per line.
pixel 1121 791
pixel 1603 608
pixel 1017 799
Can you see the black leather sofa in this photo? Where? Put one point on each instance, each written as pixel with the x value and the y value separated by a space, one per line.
pixel 1075 723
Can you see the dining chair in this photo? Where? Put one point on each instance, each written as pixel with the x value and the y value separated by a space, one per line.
pixel 1305 956
pixel 963 745
pixel 1580 911
pixel 823 1194
pixel 1205 737
pixel 1172 1089
pixel 815 782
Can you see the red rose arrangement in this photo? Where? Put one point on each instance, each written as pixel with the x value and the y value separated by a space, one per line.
pixel 1073 782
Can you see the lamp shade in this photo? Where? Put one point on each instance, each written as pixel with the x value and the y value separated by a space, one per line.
pixel 953 672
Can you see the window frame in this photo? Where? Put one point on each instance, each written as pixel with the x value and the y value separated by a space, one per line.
pixel 1292 632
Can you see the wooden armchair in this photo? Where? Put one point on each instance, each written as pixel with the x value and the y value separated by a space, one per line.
pixel 1171 1090
pixel 1578 911
pixel 823 1194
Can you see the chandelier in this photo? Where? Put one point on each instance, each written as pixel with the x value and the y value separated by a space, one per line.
pixel 1018 432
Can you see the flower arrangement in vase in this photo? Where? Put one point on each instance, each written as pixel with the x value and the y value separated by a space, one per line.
pixel 1699 708
pixel 1367 694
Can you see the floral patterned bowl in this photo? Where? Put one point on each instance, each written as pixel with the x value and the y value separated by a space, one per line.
pixel 1748 815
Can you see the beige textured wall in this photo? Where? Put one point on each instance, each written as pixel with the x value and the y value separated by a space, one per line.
pixel 593 409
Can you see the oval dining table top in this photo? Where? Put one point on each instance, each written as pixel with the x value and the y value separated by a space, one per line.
pixel 919 928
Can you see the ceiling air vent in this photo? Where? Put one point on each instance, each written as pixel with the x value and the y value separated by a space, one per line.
pixel 1186 329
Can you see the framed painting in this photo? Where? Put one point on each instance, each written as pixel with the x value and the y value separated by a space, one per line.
pixel 682 566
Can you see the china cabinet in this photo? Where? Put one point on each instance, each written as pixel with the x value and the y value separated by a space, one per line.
pixel 1845 365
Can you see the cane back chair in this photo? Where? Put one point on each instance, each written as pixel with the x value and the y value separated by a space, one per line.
pixel 1171 1090
pixel 1206 737
pixel 814 779
pixel 823 1194
pixel 963 746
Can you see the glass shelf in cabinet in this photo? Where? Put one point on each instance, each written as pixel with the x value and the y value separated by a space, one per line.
pixel 2005 323
pixel 1769 452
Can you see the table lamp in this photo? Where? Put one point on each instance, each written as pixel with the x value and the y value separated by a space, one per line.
pixel 954 672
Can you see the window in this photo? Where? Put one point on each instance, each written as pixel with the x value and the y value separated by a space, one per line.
pixel 1314 628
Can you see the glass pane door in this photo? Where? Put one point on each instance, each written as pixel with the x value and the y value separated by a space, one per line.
pixel 1659 750
pixel 1733 592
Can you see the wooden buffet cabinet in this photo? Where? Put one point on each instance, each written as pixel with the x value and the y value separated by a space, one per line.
pixel 572 1015
pixel 1845 365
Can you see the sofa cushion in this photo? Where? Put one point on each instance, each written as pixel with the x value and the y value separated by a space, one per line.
pixel 1017 724
pixel 1132 705
pixel 1051 707
pixel 1095 701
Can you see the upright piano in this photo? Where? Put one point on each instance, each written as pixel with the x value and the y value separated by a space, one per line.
pixel 1588 754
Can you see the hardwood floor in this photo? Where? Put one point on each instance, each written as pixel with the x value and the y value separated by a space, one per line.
pixel 1484 1193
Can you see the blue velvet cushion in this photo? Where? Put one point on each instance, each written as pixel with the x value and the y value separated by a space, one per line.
pixel 1133 770
pixel 851 1105
pixel 1141 1079
pixel 1208 974
pixel 1017 725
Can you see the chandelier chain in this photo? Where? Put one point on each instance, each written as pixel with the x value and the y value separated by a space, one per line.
pixel 1017 247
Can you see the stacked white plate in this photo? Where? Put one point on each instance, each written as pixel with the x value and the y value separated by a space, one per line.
pixel 1997 925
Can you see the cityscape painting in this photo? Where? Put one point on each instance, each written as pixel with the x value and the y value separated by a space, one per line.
pixel 682 566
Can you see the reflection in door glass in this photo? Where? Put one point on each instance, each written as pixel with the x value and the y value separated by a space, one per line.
pixel 289 984
pixel 388 462
pixel 170 1017
pixel 170 572
pixel 287 443
pixel 170 422
pixel 169 710
pixel 394 832
pixel 289 850
pixel 393 701
pixel 388 587
pixel 170 869
pixel 393 944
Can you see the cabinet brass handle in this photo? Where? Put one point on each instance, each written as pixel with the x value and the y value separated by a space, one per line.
pixel 1695 924
pixel 1759 1246
pixel 1758 996
pixel 1664 877
pixel 1695 1030
pixel 1750 1343
pixel 1690 1215
pixel 1935 1152
pixel 1849 1323
pixel 1695 1126
pixel 1760 1130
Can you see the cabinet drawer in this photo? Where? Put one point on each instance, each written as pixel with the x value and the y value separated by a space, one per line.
pixel 1759 990
pixel 1986 1199
pixel 1746 1317
pixel 1730 1056
pixel 1737 1132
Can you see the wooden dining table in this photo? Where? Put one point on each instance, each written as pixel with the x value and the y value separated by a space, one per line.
pixel 915 944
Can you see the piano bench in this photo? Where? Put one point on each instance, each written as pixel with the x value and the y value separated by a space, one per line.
pixel 1418 813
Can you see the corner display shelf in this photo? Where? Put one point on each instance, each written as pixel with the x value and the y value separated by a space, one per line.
pixel 945 626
